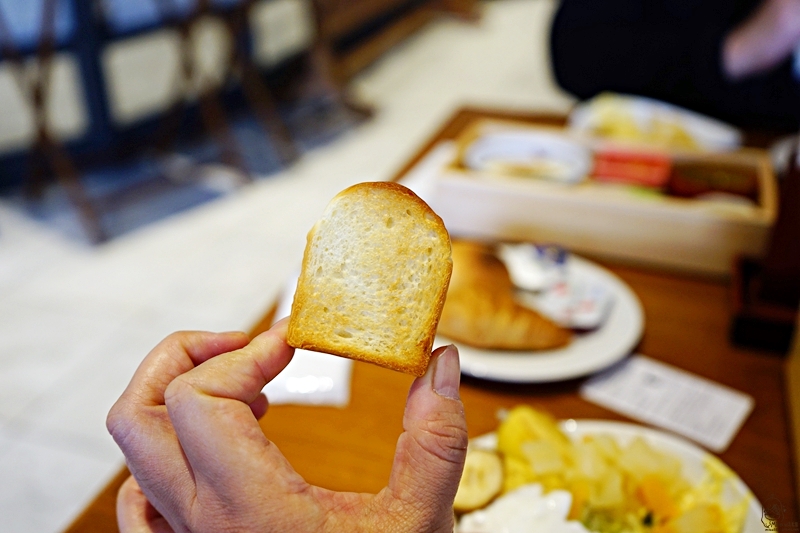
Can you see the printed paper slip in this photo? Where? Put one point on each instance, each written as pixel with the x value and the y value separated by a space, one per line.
pixel 311 377
pixel 662 395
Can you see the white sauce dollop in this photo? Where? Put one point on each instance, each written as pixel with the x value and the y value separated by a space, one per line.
pixel 524 510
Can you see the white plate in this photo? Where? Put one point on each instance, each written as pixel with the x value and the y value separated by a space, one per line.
pixel 708 133
pixel 547 155
pixel 586 354
pixel 692 457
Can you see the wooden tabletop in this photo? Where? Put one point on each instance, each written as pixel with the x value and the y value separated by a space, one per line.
pixel 686 324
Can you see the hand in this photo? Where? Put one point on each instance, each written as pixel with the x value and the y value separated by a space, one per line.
pixel 764 40
pixel 188 427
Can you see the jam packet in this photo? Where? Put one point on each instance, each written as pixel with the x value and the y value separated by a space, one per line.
pixel 548 282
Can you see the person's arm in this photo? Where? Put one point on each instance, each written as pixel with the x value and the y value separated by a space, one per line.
pixel 763 41
pixel 636 47
pixel 188 427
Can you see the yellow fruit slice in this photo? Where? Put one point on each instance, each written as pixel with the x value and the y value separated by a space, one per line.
pixel 481 481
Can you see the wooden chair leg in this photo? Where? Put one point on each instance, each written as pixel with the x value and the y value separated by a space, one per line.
pixel 67 176
pixel 213 116
pixel 324 80
pixel 33 183
pixel 468 10
pixel 258 95
pixel 260 100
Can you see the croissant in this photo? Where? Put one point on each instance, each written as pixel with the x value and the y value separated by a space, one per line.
pixel 480 309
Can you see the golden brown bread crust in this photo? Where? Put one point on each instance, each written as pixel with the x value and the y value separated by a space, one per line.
pixel 374 279
pixel 481 311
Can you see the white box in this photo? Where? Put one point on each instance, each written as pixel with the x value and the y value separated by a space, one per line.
pixel 611 222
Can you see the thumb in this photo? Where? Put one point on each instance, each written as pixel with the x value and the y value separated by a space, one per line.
pixel 430 453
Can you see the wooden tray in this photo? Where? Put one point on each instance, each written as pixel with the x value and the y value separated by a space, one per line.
pixel 612 222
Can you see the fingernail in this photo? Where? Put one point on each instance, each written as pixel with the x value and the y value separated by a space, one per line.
pixel 447 373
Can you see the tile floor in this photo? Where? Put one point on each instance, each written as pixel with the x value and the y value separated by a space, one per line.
pixel 75 321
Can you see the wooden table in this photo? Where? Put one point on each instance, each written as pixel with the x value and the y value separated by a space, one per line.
pixel 686 325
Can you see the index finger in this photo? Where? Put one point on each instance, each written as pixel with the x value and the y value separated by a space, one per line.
pixel 140 424
pixel 176 355
pixel 210 410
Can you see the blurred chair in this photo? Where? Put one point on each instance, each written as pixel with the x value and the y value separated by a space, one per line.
pixel 256 92
pixel 212 41
pixel 88 82
pixel 32 55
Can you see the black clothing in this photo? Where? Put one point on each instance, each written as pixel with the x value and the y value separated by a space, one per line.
pixel 669 50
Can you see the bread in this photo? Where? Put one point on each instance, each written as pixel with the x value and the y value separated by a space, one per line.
pixel 374 279
pixel 481 310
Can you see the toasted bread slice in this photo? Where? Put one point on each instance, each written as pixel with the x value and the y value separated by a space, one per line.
pixel 481 310
pixel 374 279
